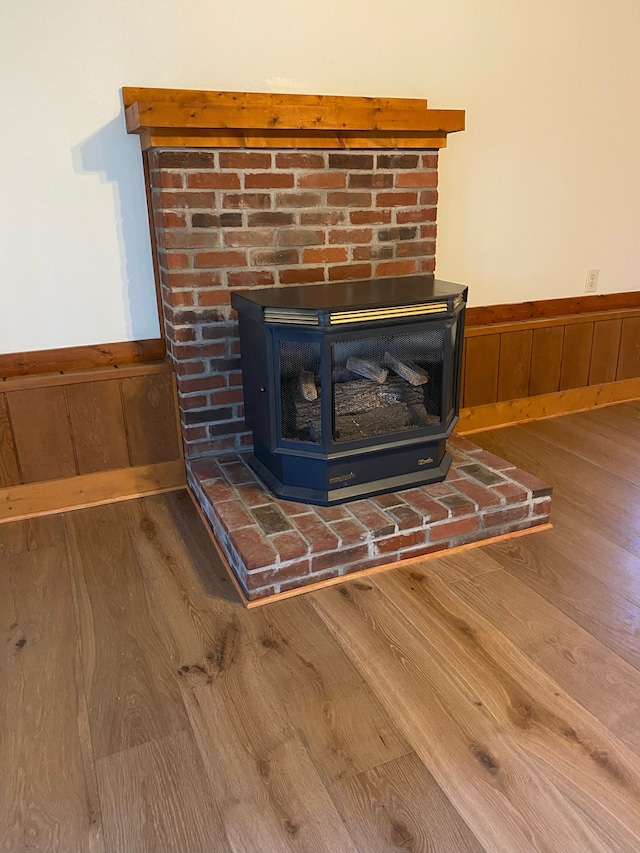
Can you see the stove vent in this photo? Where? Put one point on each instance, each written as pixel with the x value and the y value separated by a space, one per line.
pixel 311 317
pixel 368 315
pixel 291 316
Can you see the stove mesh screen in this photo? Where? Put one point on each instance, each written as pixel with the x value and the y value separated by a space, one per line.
pixel 381 385
pixel 387 384
pixel 300 389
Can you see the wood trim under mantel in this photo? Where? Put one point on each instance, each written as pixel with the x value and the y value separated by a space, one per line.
pixel 193 118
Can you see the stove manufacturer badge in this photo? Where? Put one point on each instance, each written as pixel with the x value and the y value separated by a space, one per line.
pixel 342 478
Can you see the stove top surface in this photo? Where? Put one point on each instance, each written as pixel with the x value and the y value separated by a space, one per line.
pixel 367 293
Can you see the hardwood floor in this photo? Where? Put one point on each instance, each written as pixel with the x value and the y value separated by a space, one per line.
pixel 488 701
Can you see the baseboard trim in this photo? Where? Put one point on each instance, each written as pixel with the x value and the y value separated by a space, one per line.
pixel 45 498
pixel 476 331
pixel 507 413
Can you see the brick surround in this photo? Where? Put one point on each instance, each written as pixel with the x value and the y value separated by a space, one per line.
pixel 273 545
pixel 231 218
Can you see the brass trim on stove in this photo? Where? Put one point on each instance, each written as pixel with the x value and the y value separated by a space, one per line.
pixel 310 316
pixel 292 316
pixel 364 315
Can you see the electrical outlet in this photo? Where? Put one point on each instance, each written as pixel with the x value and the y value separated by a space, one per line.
pixel 591 283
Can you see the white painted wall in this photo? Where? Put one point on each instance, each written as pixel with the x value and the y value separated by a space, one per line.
pixel 544 184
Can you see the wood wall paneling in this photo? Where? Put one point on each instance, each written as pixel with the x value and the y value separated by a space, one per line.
pixel 9 469
pixel 481 370
pixel 605 351
pixel 629 361
pixel 515 364
pixel 546 360
pixel 576 358
pixel 97 424
pixel 64 440
pixel 42 434
pixel 149 407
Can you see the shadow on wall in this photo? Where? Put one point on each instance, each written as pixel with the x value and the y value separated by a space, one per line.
pixel 115 158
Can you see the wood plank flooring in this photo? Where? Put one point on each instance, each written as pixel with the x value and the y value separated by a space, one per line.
pixel 485 702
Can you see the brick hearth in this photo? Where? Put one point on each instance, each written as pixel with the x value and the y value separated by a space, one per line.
pixel 273 545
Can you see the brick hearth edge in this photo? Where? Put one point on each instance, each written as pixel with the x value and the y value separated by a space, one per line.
pixel 273 546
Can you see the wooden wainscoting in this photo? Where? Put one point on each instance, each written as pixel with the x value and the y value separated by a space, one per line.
pixel 71 439
pixel 530 361
pixel 87 437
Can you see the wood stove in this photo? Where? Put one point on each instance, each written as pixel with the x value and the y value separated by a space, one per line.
pixel 351 388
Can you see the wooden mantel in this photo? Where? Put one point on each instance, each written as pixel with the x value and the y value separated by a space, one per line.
pixel 175 118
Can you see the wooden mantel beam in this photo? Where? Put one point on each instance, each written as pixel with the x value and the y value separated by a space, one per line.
pixel 190 118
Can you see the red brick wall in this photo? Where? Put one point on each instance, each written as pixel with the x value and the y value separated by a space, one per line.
pixel 230 219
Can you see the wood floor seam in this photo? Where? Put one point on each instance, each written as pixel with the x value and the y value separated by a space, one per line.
pixel 455 581
pixel 129 750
